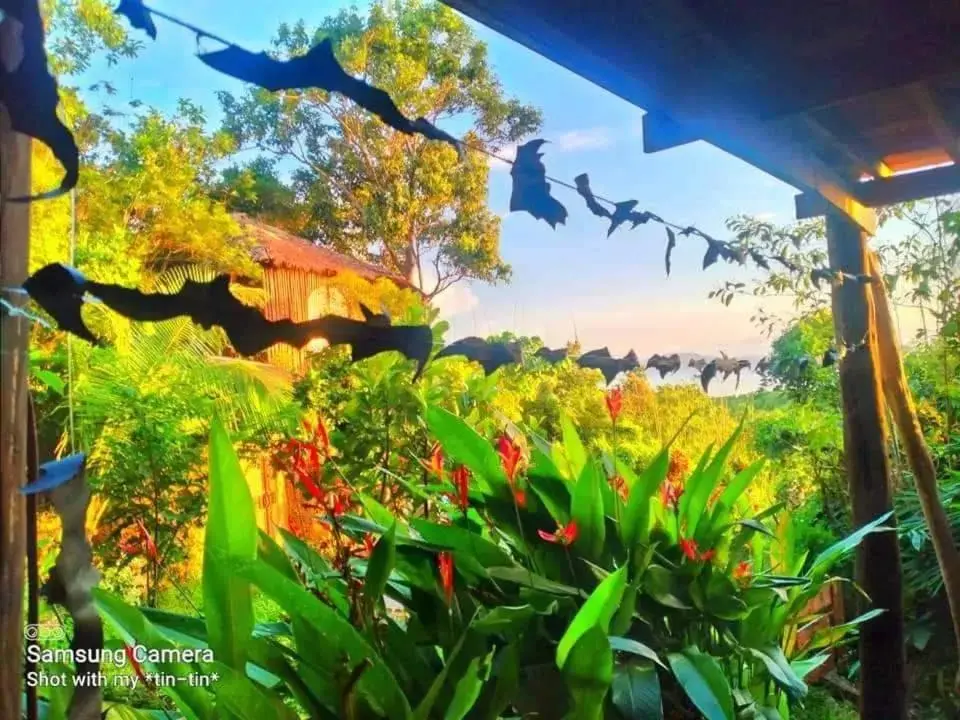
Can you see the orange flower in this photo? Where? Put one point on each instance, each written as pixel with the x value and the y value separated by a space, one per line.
pixel 445 565
pixel 435 464
pixel 670 493
pixel 679 464
pixel 565 534
pixel 146 541
pixel 742 571
pixel 461 481
pixel 614 400
pixel 689 548
pixel 510 455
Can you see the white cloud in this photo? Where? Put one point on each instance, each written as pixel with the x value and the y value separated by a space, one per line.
pixel 586 139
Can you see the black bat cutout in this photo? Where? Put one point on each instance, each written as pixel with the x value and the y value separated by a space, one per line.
pixel 318 68
pixel 491 356
pixel 59 290
pixel 29 93
pixel 553 356
pixel 763 365
pixel 582 182
pixel 803 363
pixel 608 366
pixel 621 214
pixel 531 191
pixel 138 16
pixel 712 254
pixel 825 274
pixel 759 259
pixel 830 357
pixel 707 374
pixel 664 364
pixel 603 352
pixel 787 263
pixel 671 244
pixel 697 363
pixel 731 366
pixel 641 217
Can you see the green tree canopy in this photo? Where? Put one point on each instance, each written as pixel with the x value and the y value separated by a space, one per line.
pixel 360 187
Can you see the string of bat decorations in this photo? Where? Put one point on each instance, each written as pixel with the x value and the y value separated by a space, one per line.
pixel 29 91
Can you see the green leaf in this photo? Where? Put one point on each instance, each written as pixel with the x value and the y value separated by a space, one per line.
pixel 830 636
pixel 194 702
pixel 574 451
pixel 628 645
pixel 636 515
pixel 382 560
pixel 826 559
pixel 462 444
pixel 231 536
pixel 597 611
pixel 316 568
pixel 377 512
pixel 636 692
pixel 588 671
pixel 802 668
pixel 661 584
pixel 524 577
pixel 426 704
pixel 757 526
pixel 240 697
pixel 504 689
pixel 701 485
pixel 378 684
pixel 451 537
pixel 505 620
pixel 587 512
pixel 50 379
pixel 779 668
pixel 704 683
pixel 274 556
pixel 469 687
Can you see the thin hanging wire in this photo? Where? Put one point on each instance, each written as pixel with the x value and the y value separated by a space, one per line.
pixel 73 252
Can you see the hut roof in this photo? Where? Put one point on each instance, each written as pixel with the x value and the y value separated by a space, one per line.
pixel 273 247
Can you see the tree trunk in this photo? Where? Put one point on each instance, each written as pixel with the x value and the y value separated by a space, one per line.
pixel 882 652
pixel 14 334
pixel 900 402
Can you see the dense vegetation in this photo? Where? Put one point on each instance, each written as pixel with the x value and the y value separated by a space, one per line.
pixel 652 551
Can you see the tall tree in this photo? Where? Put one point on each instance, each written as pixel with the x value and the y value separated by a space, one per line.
pixel 403 201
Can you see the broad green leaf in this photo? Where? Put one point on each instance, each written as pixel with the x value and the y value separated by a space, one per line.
pixel 243 699
pixel 702 485
pixel 588 671
pixel 378 684
pixel 451 537
pixel 469 688
pixel 830 636
pixel 194 702
pixel 703 681
pixel 802 668
pixel 574 451
pixel 274 556
pixel 597 611
pixel 826 559
pixel 507 684
pixel 628 645
pixel 587 511
pixel 316 568
pixel 757 526
pixel 661 584
pixel 636 692
pixel 231 536
pixel 382 560
pixel 779 668
pixel 636 516
pixel 525 577
pixel 425 707
pixel 505 620
pixel 462 444
pixel 378 513
pixel 553 493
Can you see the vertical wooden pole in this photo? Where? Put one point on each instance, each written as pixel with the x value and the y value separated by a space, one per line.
pixel 882 653
pixel 14 331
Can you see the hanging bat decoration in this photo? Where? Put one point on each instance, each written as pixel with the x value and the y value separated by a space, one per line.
pixel 641 217
pixel 610 367
pixel 664 364
pixel 621 214
pixel 728 366
pixel 60 291
pixel 553 356
pixel 803 363
pixel 671 244
pixel 758 259
pixel 763 365
pixel 531 191
pixel 491 356
pixel 708 373
pixel 830 357
pixel 582 182
pixel 29 92
pixel 836 277
pixel 787 263
pixel 697 363
pixel 717 249
pixel 138 16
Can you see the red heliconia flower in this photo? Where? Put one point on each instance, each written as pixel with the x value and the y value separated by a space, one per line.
pixel 742 571
pixel 708 555
pixel 670 493
pixel 679 464
pixel 130 547
pixel 435 464
pixel 614 400
pixel 619 486
pixel 146 541
pixel 368 543
pixel 510 455
pixel 137 668
pixel 520 497
pixel 461 481
pixel 445 565
pixel 565 534
pixel 689 548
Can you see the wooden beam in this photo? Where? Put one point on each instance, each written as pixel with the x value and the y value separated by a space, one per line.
pixel 882 654
pixel 947 134
pixel 729 128
pixel 14 334
pixel 890 191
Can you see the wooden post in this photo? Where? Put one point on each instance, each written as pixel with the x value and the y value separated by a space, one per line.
pixel 14 332
pixel 882 653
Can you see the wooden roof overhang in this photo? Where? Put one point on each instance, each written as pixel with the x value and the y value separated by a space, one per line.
pixel 854 103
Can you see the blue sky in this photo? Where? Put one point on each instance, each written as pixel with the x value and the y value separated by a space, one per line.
pixel 610 291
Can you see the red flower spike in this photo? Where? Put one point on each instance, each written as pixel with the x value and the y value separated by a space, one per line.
pixel 368 543
pixel 670 494
pixel 689 548
pixel 520 497
pixel 146 541
pixel 742 571
pixel 565 534
pixel 137 668
pixel 510 455
pixel 614 400
pixel 321 437
pixel 619 486
pixel 461 480
pixel 445 565
pixel 708 555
